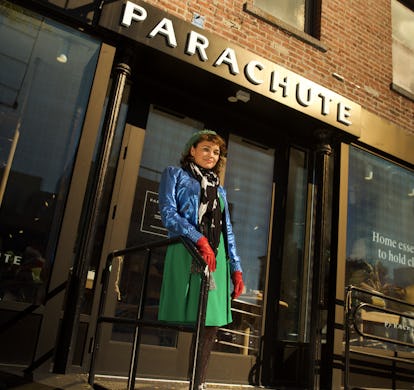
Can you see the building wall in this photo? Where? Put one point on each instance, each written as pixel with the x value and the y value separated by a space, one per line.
pixel 355 43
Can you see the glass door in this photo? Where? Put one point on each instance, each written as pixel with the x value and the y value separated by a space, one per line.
pixel 249 186
pixel 288 336
pixel 135 220
pixel 248 181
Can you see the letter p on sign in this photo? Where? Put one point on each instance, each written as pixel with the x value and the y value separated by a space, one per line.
pixel 133 12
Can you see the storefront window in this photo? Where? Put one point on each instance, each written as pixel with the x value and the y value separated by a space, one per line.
pixel 46 72
pixel 403 47
pixel 380 243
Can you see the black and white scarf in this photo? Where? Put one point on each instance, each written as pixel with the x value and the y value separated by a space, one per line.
pixel 209 211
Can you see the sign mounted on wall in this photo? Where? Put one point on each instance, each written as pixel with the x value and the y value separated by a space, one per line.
pixel 152 27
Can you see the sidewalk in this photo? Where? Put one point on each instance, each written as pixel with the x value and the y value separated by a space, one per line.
pixel 80 382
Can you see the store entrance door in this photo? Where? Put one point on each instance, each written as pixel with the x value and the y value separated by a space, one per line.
pixel 134 220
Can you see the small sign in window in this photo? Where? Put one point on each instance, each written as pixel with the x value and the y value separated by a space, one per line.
pixel 151 218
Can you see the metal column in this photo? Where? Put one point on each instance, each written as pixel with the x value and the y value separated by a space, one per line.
pixel 322 233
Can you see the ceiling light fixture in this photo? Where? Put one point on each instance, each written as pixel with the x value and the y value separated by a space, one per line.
pixel 243 96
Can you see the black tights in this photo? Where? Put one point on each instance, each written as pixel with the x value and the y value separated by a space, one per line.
pixel 205 346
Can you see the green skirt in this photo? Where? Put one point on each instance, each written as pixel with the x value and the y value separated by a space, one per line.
pixel 180 289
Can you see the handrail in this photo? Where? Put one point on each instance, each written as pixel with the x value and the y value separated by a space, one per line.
pixel 361 306
pixel 138 322
pixel 351 315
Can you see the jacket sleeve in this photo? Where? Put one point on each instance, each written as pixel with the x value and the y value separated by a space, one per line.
pixel 235 264
pixel 170 216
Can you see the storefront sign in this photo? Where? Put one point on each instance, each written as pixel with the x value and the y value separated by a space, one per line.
pixel 151 219
pixel 392 250
pixel 150 26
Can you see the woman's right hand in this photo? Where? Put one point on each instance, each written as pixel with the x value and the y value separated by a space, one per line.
pixel 207 253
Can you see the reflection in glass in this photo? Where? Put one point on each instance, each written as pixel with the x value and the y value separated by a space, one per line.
pixel 403 46
pixel 249 178
pixel 295 289
pixel 42 106
pixel 290 11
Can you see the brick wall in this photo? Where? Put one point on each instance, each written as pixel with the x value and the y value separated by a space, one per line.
pixel 356 33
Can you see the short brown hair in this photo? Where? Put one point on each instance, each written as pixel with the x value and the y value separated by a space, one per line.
pixel 186 157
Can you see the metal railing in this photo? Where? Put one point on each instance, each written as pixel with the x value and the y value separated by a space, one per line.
pixel 139 322
pixel 353 316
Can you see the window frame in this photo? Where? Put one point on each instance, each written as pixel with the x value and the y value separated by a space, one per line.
pixel 394 86
pixel 312 31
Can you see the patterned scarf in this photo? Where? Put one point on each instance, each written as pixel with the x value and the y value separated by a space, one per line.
pixel 209 211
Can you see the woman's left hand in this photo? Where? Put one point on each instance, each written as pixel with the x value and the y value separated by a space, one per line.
pixel 237 278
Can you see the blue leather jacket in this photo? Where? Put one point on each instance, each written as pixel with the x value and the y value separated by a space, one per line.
pixel 179 196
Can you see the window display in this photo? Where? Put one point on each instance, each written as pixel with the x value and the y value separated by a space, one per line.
pixel 380 243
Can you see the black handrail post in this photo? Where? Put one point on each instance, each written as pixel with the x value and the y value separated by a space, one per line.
pixel 98 330
pixel 199 331
pixel 347 337
pixel 137 334
pixel 394 368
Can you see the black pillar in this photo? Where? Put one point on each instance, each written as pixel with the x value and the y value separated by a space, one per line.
pixel 323 181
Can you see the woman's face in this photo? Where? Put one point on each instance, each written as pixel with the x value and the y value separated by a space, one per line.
pixel 206 154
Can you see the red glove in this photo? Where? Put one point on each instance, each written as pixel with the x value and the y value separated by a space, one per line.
pixel 237 278
pixel 207 253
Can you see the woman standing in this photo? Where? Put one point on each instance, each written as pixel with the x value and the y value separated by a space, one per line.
pixel 193 204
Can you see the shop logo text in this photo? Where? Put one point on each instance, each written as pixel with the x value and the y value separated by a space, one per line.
pixel 233 63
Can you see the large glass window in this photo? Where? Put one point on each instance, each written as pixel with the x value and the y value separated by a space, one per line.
pixel 380 242
pixel 403 47
pixel 46 72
